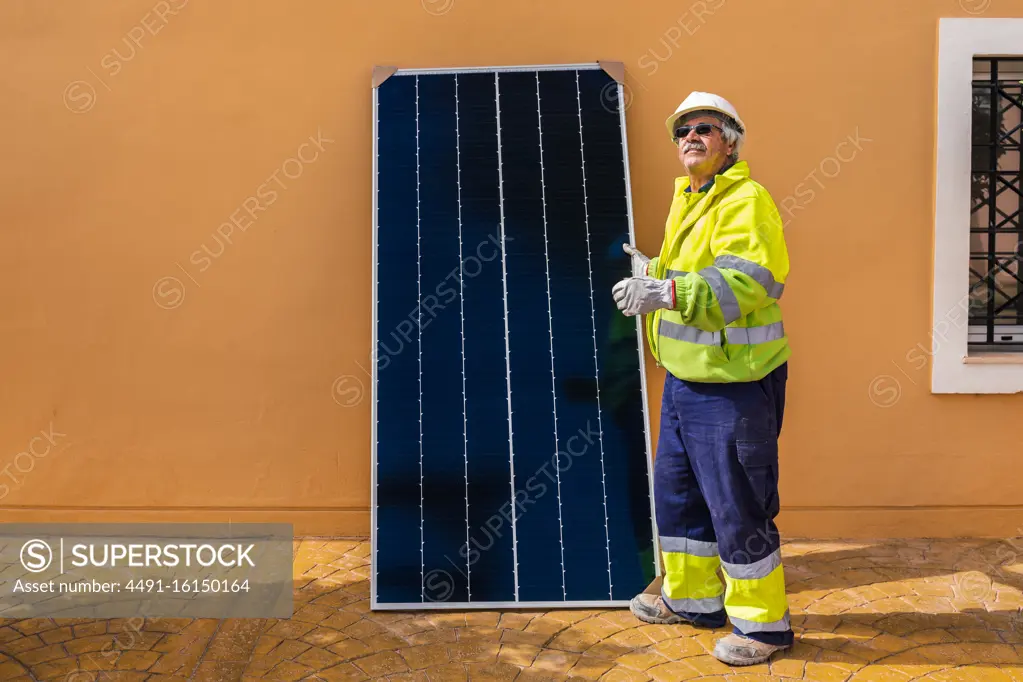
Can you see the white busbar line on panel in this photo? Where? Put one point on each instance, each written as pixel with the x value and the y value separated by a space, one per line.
pixel 507 346
pixel 550 330
pixel 461 306
pixel 419 323
pixel 593 320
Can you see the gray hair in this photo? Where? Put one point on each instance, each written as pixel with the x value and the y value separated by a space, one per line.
pixel 731 132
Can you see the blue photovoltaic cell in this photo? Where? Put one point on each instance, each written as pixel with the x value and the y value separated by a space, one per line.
pixel 491 556
pixel 397 545
pixel 511 454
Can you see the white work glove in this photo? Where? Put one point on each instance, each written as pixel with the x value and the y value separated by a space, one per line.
pixel 642 295
pixel 639 261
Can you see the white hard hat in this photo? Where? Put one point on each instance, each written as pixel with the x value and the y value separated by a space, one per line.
pixel 703 100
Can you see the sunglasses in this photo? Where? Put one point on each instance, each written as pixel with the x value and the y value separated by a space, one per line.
pixel 702 129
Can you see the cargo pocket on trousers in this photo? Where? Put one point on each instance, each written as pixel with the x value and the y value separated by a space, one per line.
pixel 759 459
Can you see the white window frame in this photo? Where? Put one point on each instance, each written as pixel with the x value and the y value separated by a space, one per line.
pixel 953 370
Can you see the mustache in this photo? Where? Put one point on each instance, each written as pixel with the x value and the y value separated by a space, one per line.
pixel 694 146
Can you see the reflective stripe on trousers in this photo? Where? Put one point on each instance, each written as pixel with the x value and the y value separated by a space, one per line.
pixel 751 595
pixel 691 584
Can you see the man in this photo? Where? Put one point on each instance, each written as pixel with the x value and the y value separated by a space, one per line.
pixel 713 322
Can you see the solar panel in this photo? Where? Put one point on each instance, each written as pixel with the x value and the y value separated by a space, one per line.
pixel 510 438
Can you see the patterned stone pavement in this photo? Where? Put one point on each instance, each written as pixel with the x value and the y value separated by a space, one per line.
pixel 885 611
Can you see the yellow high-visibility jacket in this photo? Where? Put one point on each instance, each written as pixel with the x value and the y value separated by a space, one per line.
pixel 726 252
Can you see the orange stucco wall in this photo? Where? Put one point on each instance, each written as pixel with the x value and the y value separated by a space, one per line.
pixel 180 386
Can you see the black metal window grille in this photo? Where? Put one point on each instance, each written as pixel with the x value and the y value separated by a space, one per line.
pixel 996 224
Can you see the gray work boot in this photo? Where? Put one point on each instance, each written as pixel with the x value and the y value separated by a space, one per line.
pixel 736 649
pixel 650 608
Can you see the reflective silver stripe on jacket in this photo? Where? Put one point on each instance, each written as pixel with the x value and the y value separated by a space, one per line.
pixel 755 335
pixel 723 292
pixel 733 335
pixel 681 332
pixel 672 274
pixel 758 272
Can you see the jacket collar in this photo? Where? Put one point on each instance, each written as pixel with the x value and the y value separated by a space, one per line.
pixel 724 179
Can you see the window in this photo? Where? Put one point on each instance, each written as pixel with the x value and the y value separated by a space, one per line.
pixel 996 188
pixel 977 313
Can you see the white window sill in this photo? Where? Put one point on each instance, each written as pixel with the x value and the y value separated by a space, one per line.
pixel 994 359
